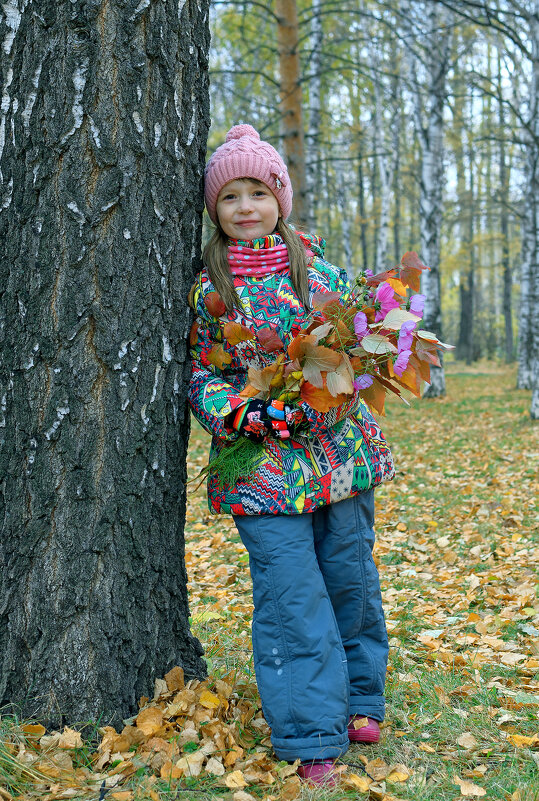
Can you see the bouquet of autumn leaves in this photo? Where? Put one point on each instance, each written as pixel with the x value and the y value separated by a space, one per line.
pixel 368 341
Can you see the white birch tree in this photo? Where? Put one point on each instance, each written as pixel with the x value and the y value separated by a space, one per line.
pixel 427 47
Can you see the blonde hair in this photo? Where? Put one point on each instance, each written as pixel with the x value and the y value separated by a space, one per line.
pixel 215 258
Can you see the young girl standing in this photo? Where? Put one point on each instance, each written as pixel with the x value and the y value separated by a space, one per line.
pixel 306 514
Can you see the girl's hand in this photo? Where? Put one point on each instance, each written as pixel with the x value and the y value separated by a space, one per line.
pixel 286 420
pixel 257 418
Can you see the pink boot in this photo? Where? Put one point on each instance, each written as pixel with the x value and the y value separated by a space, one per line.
pixel 321 773
pixel 366 734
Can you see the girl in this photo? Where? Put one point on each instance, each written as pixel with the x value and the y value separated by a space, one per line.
pixel 306 515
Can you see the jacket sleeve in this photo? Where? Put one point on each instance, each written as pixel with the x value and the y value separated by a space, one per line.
pixel 321 421
pixel 211 396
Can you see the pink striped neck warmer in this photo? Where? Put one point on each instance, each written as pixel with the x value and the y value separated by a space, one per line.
pixel 259 257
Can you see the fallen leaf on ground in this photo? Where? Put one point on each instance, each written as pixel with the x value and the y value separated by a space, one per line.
pixel 235 780
pixel 467 740
pixel 149 720
pixel 469 788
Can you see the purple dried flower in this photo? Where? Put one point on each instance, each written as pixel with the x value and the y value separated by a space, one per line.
pixel 417 304
pixel 361 326
pixel 363 381
pixel 401 362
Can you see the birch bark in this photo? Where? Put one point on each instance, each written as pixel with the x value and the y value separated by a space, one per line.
pixel 431 33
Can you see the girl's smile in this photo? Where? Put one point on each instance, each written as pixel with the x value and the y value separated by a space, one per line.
pixel 246 208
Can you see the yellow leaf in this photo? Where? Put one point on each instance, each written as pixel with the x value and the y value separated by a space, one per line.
pixel 428 749
pixel 209 700
pixel 351 781
pixel 399 773
pixel 149 720
pixel 239 795
pixel 122 795
pixel 235 780
pixel 360 723
pixel 469 788
pixel 233 755
pixel 34 730
pixel 521 741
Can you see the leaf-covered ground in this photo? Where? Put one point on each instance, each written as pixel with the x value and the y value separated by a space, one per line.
pixel 457 549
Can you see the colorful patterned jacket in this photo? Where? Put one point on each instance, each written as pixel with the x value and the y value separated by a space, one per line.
pixel 342 454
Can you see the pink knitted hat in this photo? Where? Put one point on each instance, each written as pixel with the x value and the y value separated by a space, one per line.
pixel 245 155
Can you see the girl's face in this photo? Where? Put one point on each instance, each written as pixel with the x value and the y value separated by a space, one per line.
pixel 247 209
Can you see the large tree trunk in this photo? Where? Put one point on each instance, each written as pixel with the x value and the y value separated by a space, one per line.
pixel 103 131
pixel 291 103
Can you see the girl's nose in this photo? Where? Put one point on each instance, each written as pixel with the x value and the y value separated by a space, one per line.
pixel 245 205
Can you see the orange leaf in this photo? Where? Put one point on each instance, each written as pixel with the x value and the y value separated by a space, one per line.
pixel 369 313
pixel 262 380
pixel 249 391
pixel 345 337
pixel 318 358
pixel 320 399
pixel 426 351
pixel 234 333
pixel 269 339
pixel 175 679
pixel 397 286
pixel 218 356
pixel 421 367
pixel 34 730
pixel 374 396
pixel 214 304
pixel 411 269
pixel 149 720
pixel 193 334
pixel 410 380
pixel 296 349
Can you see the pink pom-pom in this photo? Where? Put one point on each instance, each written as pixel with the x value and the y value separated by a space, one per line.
pixel 237 131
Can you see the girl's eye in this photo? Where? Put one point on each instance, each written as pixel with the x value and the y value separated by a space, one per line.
pixel 228 197
pixel 259 192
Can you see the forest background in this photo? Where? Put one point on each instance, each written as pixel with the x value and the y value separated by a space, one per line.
pixel 407 126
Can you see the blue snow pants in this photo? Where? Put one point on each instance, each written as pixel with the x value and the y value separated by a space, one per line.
pixel 319 635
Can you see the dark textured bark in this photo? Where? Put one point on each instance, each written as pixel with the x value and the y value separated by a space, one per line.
pixel 105 127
